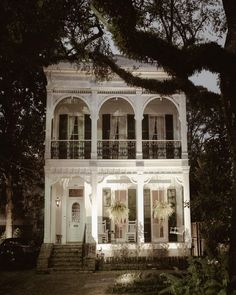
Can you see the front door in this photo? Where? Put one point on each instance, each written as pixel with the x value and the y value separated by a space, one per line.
pixel 75 219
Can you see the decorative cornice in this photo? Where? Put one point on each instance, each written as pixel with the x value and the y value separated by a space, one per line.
pixel 81 90
pixel 74 172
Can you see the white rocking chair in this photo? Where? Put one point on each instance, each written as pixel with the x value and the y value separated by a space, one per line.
pixel 130 236
pixel 102 233
pixel 177 230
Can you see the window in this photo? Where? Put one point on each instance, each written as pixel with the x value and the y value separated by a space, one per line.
pixel 75 216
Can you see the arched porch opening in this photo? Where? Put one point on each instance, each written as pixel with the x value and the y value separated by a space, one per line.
pixel 161 137
pixel 116 130
pixel 71 130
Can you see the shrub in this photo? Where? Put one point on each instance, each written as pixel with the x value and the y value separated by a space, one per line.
pixel 204 276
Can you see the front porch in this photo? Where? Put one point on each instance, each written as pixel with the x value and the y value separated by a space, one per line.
pixel 78 212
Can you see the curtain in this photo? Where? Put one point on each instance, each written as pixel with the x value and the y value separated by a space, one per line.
pixel 114 122
pixel 122 127
pixel 118 127
pixel 156 128
pixel 152 120
pixel 81 127
pixel 76 128
pixel 160 128
pixel 72 126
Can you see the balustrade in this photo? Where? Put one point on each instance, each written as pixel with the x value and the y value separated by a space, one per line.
pixel 71 149
pixel 161 149
pixel 115 149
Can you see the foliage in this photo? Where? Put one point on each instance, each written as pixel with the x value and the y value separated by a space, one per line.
pixel 204 276
pixel 210 188
pixel 118 212
pixel 162 209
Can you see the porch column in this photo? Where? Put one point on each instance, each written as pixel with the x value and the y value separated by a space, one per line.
pixel 187 218
pixel 49 116
pixel 94 119
pixel 140 210
pixel 183 127
pixel 94 206
pixel 138 125
pixel 138 118
pixel 47 210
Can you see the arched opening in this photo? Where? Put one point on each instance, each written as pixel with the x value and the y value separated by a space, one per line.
pixel 116 130
pixel 71 130
pixel 161 130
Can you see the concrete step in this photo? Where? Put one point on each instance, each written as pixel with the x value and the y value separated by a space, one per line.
pixel 67 265
pixel 72 252
pixel 75 246
pixel 64 269
pixel 67 257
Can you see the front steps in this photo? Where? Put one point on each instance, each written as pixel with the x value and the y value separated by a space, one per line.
pixel 67 257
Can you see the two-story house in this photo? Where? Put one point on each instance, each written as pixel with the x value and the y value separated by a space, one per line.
pixel 108 143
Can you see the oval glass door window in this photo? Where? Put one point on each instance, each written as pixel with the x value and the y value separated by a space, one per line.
pixel 75 213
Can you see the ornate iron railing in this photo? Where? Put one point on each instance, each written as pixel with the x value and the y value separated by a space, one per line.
pixel 161 149
pixel 116 149
pixel 71 149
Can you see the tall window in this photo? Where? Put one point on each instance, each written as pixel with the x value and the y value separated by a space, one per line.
pixel 158 223
pixel 71 127
pixel 156 128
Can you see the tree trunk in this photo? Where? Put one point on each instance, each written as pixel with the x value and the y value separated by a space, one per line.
pixel 9 206
pixel 228 90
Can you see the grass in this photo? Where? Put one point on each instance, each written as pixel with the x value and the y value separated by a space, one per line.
pixel 137 282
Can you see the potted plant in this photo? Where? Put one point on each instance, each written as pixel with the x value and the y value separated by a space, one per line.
pixel 162 210
pixel 118 212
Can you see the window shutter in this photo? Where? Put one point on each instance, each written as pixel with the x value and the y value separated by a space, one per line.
pixel 169 127
pixel 132 204
pixel 130 126
pixel 63 124
pixel 106 126
pixel 171 196
pixel 145 129
pixel 87 136
pixel 87 127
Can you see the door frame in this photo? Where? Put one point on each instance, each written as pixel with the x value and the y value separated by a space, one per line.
pixel 81 201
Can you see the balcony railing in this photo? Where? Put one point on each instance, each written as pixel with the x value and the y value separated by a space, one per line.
pixel 71 149
pixel 161 149
pixel 116 149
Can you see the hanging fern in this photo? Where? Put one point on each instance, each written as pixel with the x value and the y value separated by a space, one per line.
pixel 162 210
pixel 118 212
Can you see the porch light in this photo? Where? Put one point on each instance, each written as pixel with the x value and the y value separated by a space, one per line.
pixel 58 201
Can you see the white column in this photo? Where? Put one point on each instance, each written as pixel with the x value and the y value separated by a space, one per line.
pixel 187 218
pixel 48 125
pixel 94 118
pixel 94 206
pixel 47 210
pixel 183 127
pixel 138 126
pixel 140 209
pixel 138 123
pixel 53 215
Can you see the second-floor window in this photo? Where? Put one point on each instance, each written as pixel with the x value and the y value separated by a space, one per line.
pixel 157 127
pixel 73 127
pixel 118 127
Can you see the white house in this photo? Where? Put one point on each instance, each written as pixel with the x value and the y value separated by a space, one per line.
pixel 108 143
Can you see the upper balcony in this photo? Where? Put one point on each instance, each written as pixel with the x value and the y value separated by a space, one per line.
pixel 117 131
